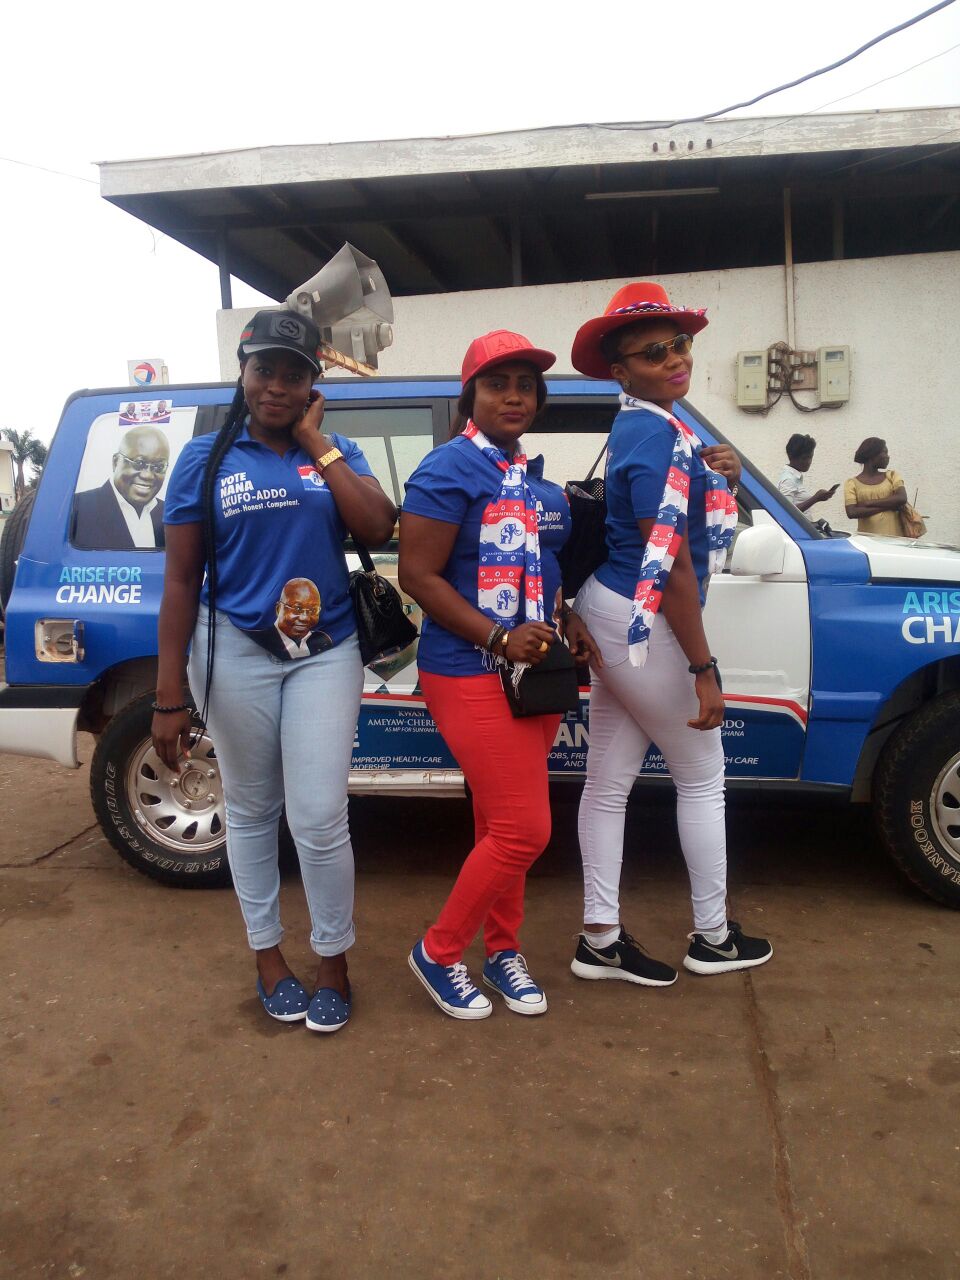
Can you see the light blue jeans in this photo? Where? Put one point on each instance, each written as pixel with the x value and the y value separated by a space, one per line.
pixel 283 733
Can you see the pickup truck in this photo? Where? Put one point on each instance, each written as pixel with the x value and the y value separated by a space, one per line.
pixel 840 654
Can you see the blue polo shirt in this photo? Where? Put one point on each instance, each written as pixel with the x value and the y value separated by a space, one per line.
pixel 274 519
pixel 638 459
pixel 454 484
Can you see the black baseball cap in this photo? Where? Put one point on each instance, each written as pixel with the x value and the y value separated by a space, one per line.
pixel 283 330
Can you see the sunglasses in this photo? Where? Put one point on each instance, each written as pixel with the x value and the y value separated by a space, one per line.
pixel 657 352
pixel 145 466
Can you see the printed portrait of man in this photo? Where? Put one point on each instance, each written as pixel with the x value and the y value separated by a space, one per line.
pixel 298 612
pixel 125 511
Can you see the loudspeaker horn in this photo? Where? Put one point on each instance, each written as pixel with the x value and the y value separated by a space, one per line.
pixel 349 302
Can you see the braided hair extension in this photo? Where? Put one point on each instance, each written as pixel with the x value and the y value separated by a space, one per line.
pixel 224 441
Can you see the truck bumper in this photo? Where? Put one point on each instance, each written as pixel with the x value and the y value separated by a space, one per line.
pixel 40 721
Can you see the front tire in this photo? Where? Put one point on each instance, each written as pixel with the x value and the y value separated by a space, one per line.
pixel 167 827
pixel 917 799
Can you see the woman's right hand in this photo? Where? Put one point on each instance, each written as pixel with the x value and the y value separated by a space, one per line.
pixel 530 642
pixel 170 731
pixel 711 701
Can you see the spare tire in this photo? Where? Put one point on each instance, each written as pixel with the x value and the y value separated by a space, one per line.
pixel 11 544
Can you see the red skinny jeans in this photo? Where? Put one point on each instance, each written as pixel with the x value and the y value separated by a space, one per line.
pixel 504 760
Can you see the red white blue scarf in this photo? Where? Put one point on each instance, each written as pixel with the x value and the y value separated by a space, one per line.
pixel 670 526
pixel 508 567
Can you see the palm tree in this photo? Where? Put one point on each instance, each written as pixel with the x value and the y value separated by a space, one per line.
pixel 24 444
pixel 37 460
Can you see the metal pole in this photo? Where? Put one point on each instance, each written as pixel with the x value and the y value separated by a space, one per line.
pixel 838 227
pixel 516 261
pixel 788 274
pixel 226 293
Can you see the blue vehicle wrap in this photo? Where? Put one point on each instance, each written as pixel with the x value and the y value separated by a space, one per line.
pixel 829 644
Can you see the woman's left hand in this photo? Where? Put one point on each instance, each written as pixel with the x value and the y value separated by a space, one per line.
pixel 723 459
pixel 307 433
pixel 579 640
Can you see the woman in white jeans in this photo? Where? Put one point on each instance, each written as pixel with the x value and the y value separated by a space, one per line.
pixel 670 518
pixel 263 507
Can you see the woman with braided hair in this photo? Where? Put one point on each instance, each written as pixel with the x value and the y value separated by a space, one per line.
pixel 261 509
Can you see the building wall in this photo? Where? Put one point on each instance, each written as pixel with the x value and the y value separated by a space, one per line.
pixel 898 316
pixel 6 476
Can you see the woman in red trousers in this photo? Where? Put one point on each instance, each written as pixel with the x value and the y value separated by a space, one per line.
pixel 480 534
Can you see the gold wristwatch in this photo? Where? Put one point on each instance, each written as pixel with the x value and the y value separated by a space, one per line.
pixel 327 458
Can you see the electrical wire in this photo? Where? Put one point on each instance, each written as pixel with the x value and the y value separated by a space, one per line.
pixel 792 84
pixel 782 123
pixel 889 155
pixel 42 168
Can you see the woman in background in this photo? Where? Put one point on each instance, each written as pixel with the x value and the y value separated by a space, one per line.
pixel 874 497
pixel 799 461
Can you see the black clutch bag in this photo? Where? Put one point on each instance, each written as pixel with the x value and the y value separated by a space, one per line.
pixel 549 687
pixel 586 548
pixel 382 626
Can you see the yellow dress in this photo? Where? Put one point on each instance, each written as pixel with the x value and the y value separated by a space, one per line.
pixel 886 522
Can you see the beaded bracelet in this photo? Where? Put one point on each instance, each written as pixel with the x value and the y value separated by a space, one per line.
pixel 698 671
pixel 183 706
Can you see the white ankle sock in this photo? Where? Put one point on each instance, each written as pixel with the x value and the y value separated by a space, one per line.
pixel 714 936
pixel 429 959
pixel 605 939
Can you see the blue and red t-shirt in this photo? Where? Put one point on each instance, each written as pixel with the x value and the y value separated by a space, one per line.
pixel 279 540
pixel 638 459
pixel 454 484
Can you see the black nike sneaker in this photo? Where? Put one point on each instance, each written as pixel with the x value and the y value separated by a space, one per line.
pixel 624 959
pixel 735 952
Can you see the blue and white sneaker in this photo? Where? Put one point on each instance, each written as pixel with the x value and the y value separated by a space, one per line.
pixel 450 986
pixel 507 974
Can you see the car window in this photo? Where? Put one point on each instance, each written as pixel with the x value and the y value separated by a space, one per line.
pixel 394 440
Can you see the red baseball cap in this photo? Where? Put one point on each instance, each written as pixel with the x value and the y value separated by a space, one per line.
pixel 500 346
pixel 640 301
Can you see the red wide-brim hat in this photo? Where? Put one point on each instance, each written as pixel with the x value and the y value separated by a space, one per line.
pixel 640 301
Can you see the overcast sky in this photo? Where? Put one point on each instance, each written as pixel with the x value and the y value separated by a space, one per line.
pixel 85 286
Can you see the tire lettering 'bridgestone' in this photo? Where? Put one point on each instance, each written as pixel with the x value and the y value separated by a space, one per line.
pixel 912 761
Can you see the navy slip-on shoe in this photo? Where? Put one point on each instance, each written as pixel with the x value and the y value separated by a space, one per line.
pixel 289 1002
pixel 328 1010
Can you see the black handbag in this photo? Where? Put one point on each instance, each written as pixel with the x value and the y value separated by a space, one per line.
pixel 586 548
pixel 382 626
pixel 545 689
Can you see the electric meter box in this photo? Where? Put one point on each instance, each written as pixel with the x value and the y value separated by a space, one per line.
pixel 833 367
pixel 752 379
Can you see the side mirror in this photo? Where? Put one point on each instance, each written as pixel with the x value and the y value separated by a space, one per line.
pixel 765 551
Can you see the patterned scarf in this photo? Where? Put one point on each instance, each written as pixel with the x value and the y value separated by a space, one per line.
pixel 509 560
pixel 670 526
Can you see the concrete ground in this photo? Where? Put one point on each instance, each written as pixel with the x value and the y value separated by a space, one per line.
pixel 800 1122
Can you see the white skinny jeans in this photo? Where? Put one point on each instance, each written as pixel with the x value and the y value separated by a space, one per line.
pixel 630 707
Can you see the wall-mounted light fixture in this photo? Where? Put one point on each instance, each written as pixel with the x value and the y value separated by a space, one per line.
pixel 665 194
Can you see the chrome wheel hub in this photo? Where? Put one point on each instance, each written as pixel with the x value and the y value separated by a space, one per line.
pixel 183 812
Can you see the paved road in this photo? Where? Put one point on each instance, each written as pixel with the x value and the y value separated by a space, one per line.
pixel 800 1122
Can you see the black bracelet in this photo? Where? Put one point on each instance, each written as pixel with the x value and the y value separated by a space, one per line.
pixel 698 671
pixel 183 706
pixel 497 633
